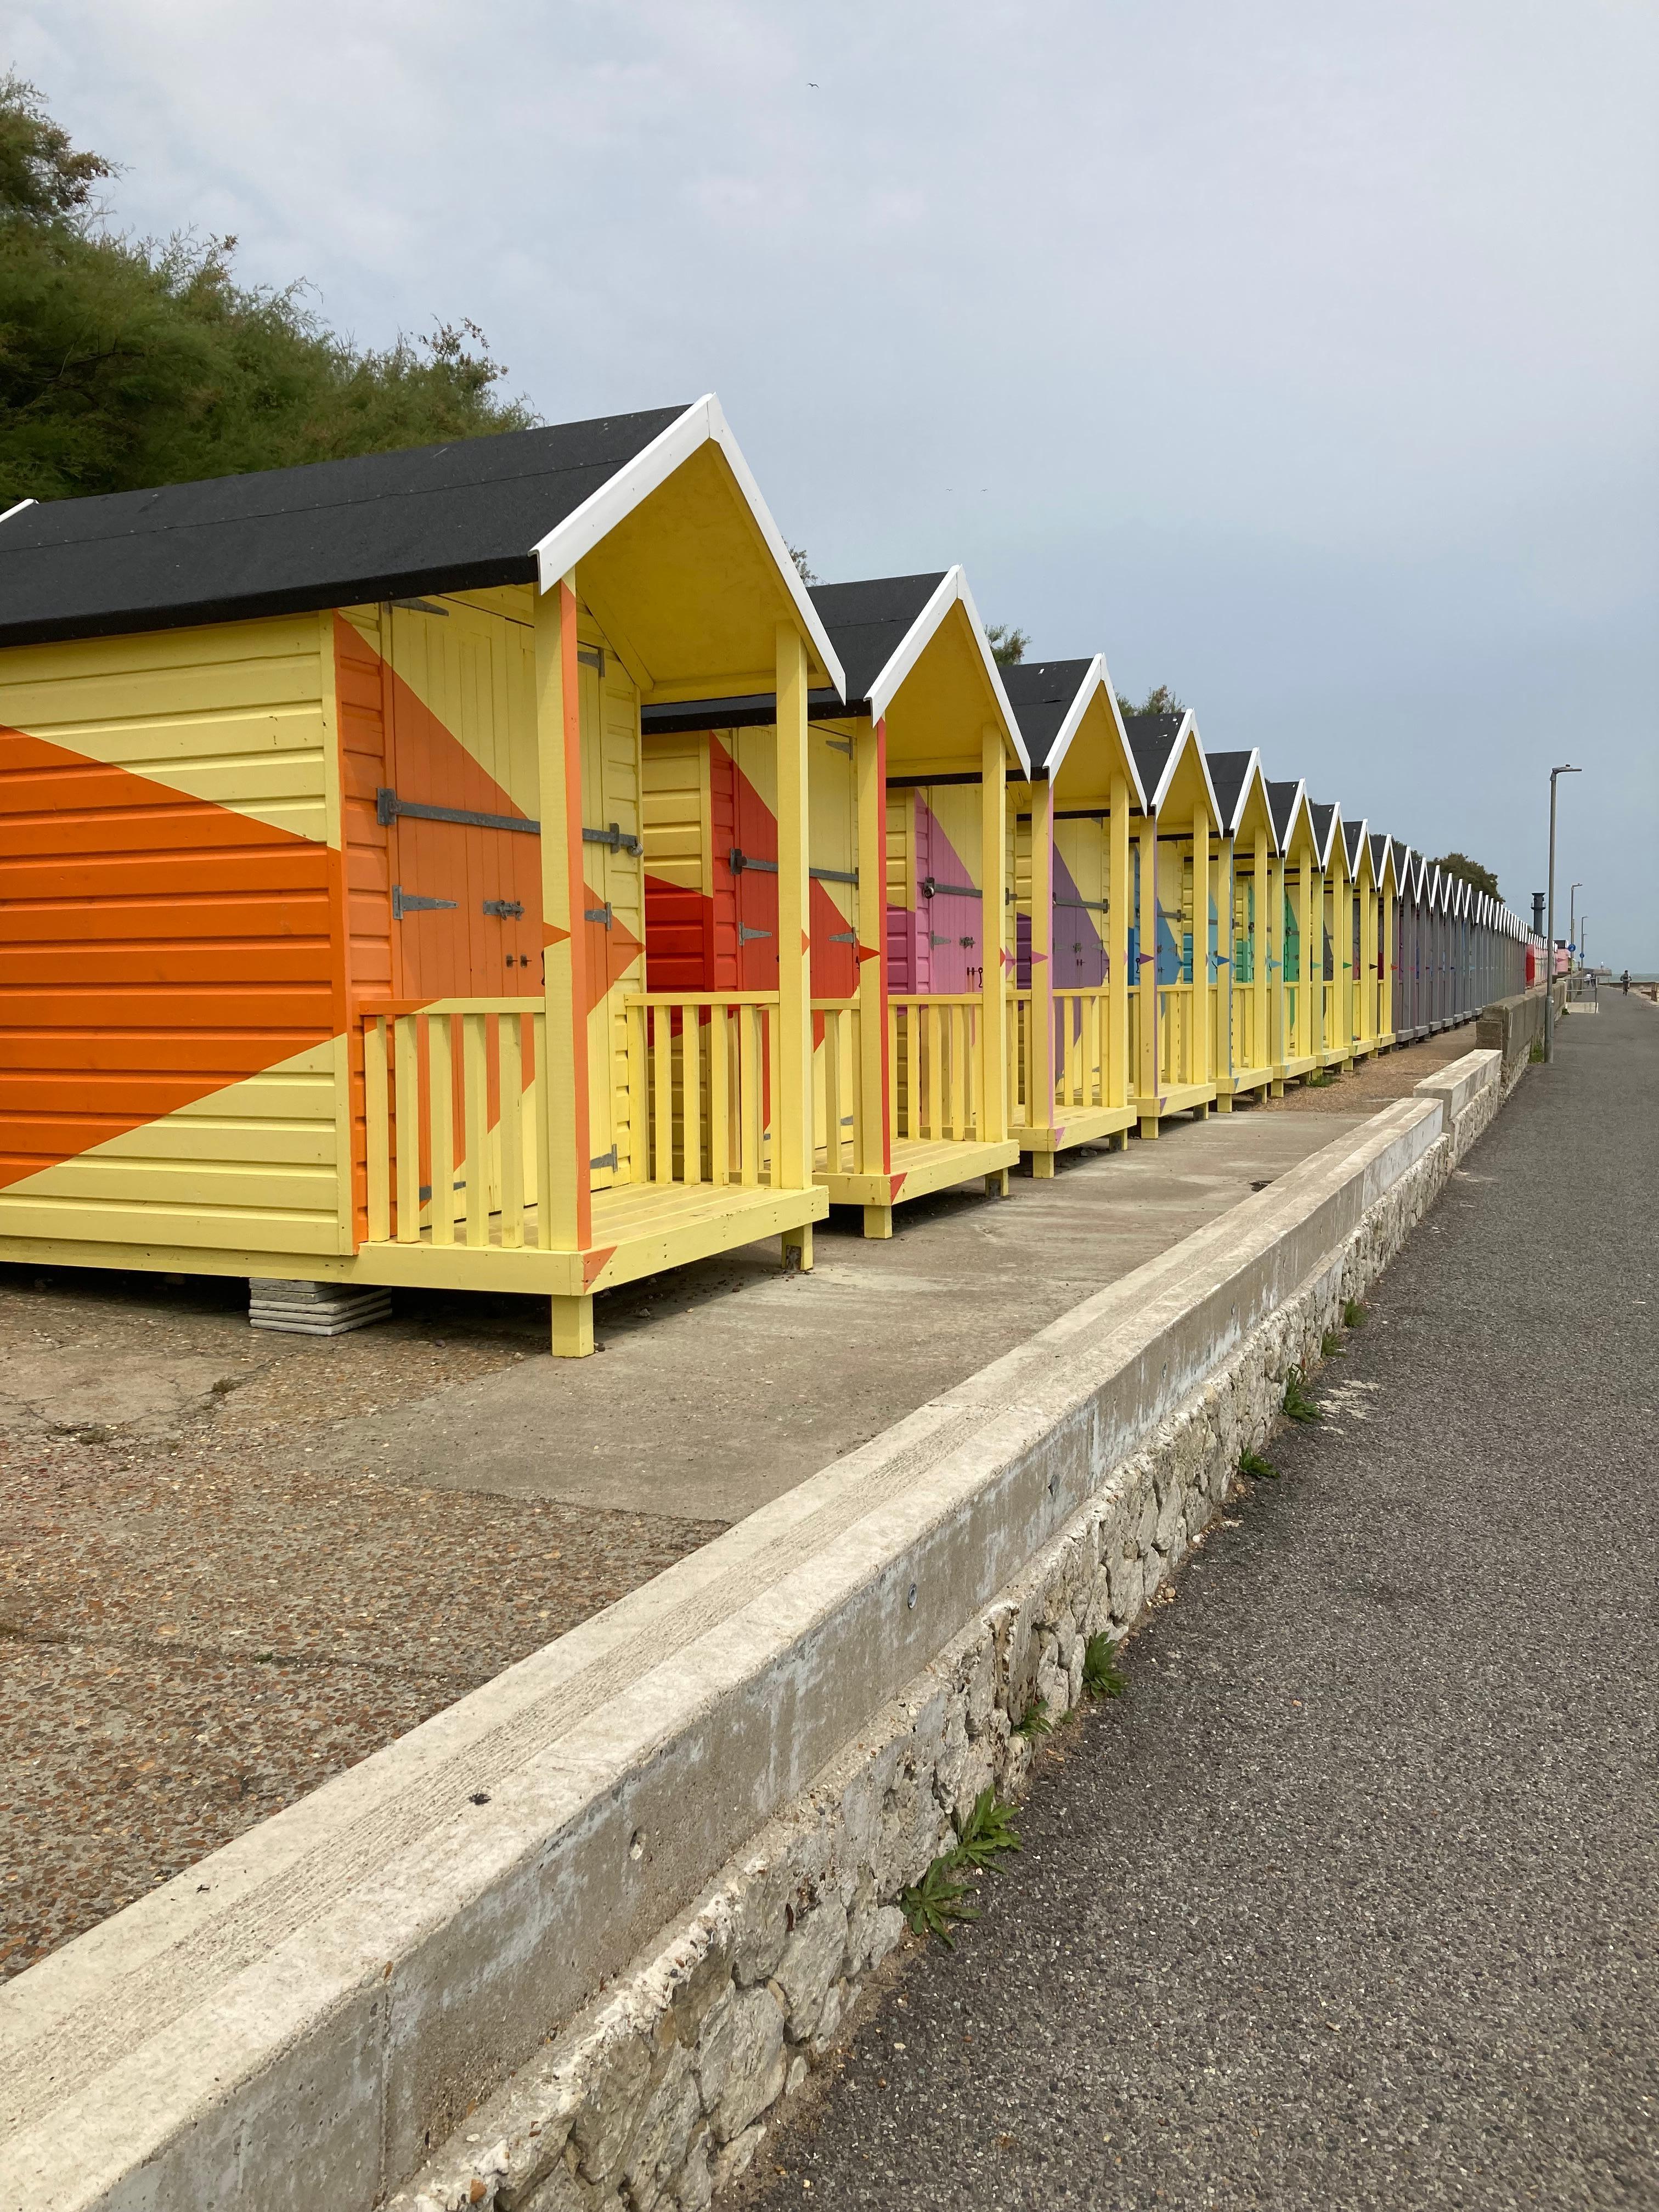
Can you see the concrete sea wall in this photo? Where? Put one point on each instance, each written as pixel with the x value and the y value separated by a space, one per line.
pixel 569 1943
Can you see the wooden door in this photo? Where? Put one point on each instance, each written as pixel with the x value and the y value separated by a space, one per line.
pixel 460 805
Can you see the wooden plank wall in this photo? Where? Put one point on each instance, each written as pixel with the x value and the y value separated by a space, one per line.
pixel 169 1001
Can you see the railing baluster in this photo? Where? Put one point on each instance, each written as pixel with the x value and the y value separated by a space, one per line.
pixel 662 1094
pixel 406 1059
pixel 441 1094
pixel 832 1094
pixel 475 1136
pixel 509 1054
pixel 749 1095
pixel 720 1080
pixel 691 1093
pixel 377 1130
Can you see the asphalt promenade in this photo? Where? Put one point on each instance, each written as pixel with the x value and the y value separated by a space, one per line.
pixel 1354 1899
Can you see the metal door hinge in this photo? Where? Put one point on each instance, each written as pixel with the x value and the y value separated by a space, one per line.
pixel 388 806
pixel 845 937
pixel 838 745
pixel 606 1160
pixel 747 936
pixel 505 909
pixel 597 914
pixel 834 875
pixel 404 902
pixel 614 837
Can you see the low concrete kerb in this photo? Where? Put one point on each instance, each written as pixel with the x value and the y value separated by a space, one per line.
pixel 307 2016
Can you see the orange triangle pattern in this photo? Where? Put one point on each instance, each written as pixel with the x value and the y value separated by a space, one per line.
pixel 158 949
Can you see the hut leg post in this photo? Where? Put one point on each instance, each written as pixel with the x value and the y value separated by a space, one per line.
pixel 878 1221
pixel 573 1328
pixel 996 1183
pixel 1042 1166
pixel 798 1250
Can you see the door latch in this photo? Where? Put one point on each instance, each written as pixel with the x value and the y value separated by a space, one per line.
pixel 505 909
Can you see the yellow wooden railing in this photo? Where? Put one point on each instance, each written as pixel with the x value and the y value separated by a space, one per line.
pixel 838 1134
pixel 1248 1050
pixel 1175 1015
pixel 702 1072
pixel 934 1076
pixel 1330 1034
pixel 451 1133
pixel 1082 1073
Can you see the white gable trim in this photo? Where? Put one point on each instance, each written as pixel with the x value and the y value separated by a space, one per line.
pixel 601 511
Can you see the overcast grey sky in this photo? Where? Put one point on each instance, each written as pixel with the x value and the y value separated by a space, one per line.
pixel 1302 353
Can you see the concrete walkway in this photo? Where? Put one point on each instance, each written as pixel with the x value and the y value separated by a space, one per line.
pixel 1352 1901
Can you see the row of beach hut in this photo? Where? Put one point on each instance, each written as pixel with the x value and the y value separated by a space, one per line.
pixel 492 866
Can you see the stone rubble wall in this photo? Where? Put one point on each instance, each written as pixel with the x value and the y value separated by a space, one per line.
pixel 657 2096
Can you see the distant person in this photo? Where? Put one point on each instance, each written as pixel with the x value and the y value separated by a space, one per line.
pixel 1624 981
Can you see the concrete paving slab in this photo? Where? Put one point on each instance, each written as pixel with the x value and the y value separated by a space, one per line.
pixel 722 1386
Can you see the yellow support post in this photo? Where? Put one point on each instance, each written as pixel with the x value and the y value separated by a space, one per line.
pixel 1226 895
pixel 870 768
pixel 994 873
pixel 1305 995
pixel 1197 1030
pixel 1040 1053
pixel 1261 891
pixel 1280 1044
pixel 792 1107
pixel 564 1202
pixel 1118 979
pixel 1146 923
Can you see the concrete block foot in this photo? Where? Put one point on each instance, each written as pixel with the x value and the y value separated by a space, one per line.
pixel 573 1328
pixel 313 1309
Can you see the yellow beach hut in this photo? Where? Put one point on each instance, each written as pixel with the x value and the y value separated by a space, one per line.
pixel 1176 951
pixel 1298 917
pixel 1244 1055
pixel 324 903
pixel 912 938
pixel 1073 877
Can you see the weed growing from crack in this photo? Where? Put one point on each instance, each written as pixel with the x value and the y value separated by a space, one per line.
pixel 1320 1079
pixel 1353 1314
pixel 1255 1468
pixel 1101 1675
pixel 1330 1346
pixel 1033 1721
pixel 930 1905
pixel 1300 1403
pixel 986 1834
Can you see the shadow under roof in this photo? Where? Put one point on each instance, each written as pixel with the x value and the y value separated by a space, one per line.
pixel 456 517
pixel 866 622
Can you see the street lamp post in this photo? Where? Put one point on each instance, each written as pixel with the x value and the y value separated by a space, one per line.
pixel 1566 769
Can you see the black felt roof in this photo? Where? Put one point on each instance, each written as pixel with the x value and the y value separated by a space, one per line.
pixel 867 623
pixel 1350 845
pixel 1281 797
pixel 1227 775
pixel 1042 694
pixel 459 517
pixel 1320 818
pixel 1151 739
pixel 1378 840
